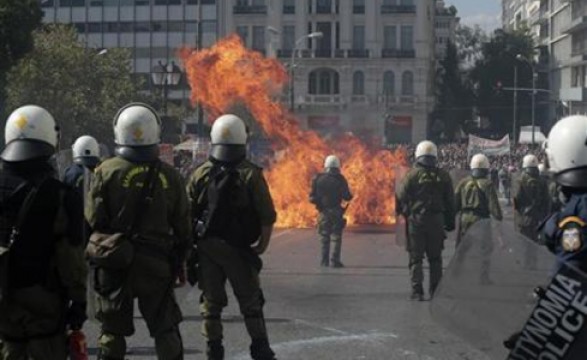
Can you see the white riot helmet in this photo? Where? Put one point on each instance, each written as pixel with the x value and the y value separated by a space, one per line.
pixel 426 153
pixel 229 138
pixel 86 151
pixel 542 169
pixel 567 151
pixel 479 166
pixel 137 132
pixel 479 161
pixel 30 132
pixel 331 162
pixel 530 161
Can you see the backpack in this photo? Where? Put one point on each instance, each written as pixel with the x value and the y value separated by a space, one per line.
pixel 228 213
pixel 12 218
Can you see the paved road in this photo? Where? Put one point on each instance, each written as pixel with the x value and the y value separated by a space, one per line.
pixel 359 312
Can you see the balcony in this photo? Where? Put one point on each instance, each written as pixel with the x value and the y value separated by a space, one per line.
pixel 284 53
pixel 398 54
pixel 577 24
pixel 249 9
pixel 339 53
pixel 323 100
pixel 288 9
pixel 323 53
pixel 359 99
pixel 358 53
pixel 398 9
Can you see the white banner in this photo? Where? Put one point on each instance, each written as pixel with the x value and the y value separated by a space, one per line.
pixel 489 147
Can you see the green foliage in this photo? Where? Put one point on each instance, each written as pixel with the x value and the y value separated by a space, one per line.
pixel 18 19
pixel 81 87
pixel 469 43
pixel 495 71
pixel 454 98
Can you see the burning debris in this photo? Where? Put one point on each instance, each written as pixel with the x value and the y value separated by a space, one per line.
pixel 228 74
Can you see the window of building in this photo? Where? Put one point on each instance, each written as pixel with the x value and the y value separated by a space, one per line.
pixel 142 26
pixel 94 27
pixel 243 32
pixel 258 38
pixel 323 82
pixel 288 37
pixel 112 27
pixel 407 40
pixel 242 2
pixel 358 6
pixel 408 83
pixel 358 37
pixel 191 26
pixel 141 2
pixel 124 2
pixel 390 37
pixel 289 6
pixel 406 2
pixel 358 83
pixel 175 26
pixel 80 27
pixel 323 6
pixel 389 2
pixel 389 83
pixel 78 2
pixel 258 2
pixel 47 3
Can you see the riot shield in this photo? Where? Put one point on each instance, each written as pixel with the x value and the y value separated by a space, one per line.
pixel 488 295
pixel 401 228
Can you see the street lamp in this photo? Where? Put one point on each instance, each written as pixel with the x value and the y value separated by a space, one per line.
pixel 273 32
pixel 165 75
pixel 520 57
pixel 312 35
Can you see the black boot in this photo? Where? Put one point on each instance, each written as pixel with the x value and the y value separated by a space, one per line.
pixel 101 356
pixel 215 350
pixel 260 350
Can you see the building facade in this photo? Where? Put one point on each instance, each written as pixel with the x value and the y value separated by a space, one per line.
pixel 445 26
pixel 153 30
pixel 370 72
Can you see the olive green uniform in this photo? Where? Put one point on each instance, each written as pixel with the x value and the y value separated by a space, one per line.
pixel 163 239
pixel 475 199
pixel 46 271
pixel 329 189
pixel 426 199
pixel 531 204
pixel 220 261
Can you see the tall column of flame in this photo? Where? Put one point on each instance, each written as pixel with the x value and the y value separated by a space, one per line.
pixel 228 73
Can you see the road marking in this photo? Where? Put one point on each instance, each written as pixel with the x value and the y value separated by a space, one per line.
pixel 296 345
pixel 316 326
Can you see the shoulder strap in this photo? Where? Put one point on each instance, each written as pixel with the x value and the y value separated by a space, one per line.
pixel 145 196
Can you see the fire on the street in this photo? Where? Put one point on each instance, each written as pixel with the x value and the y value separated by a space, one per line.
pixel 228 74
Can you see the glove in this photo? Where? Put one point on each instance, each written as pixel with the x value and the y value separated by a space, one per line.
pixel 76 315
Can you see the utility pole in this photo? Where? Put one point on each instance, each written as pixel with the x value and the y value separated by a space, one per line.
pixel 515 102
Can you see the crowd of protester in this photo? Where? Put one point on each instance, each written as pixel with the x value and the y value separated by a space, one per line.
pixel 453 156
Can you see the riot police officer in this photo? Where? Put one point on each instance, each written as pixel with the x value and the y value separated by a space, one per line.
pixel 329 189
pixel 42 264
pixel 553 189
pixel 531 200
pixel 426 199
pixel 565 231
pixel 137 195
pixel 476 197
pixel 86 157
pixel 234 216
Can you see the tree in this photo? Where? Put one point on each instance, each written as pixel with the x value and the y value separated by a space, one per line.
pixel 469 43
pixel 81 87
pixel 454 99
pixel 495 71
pixel 18 20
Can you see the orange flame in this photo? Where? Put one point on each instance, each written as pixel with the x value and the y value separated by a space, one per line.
pixel 228 73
